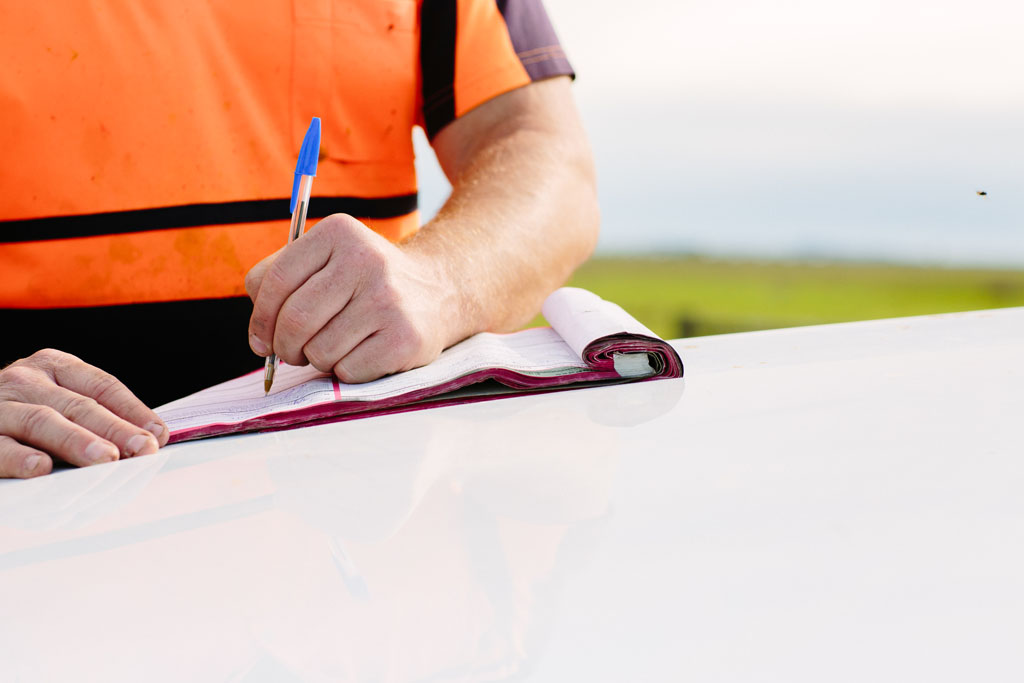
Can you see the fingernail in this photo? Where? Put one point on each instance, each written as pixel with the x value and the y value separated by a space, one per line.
pixel 257 345
pixel 32 462
pixel 99 451
pixel 137 444
pixel 155 428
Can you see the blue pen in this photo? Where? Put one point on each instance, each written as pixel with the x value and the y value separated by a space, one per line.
pixel 305 171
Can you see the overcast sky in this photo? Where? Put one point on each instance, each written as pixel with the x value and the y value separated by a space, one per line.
pixel 797 127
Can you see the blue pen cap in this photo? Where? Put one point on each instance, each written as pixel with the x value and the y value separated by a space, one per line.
pixel 309 155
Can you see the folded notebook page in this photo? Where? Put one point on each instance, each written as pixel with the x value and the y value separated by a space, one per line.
pixel 590 341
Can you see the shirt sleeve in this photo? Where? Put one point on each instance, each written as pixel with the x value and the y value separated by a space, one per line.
pixel 474 50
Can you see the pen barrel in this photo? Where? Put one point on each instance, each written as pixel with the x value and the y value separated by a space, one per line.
pixel 301 206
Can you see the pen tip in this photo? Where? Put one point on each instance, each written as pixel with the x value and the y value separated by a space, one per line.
pixel 266 387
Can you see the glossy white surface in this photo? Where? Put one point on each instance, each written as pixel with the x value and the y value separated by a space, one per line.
pixel 837 503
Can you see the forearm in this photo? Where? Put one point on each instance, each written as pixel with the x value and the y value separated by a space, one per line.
pixel 522 214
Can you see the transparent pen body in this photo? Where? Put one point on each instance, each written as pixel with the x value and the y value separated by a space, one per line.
pixel 301 206
pixel 294 232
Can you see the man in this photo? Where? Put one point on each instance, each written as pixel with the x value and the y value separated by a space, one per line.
pixel 147 160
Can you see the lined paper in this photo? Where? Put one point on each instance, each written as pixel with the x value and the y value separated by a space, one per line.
pixel 538 352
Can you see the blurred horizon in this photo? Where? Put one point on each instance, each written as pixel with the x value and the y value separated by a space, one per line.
pixel 800 129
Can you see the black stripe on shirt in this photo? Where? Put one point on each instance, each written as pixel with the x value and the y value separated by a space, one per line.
pixel 192 215
pixel 437 62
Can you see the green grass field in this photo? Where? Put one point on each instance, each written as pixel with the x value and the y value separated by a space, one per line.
pixel 691 296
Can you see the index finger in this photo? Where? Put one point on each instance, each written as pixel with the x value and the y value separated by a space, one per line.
pixel 289 271
pixel 255 275
pixel 78 376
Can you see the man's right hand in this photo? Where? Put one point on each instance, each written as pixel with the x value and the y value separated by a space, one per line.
pixel 54 405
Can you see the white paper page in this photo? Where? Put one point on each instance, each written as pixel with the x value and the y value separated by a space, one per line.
pixel 580 317
pixel 538 352
pixel 242 398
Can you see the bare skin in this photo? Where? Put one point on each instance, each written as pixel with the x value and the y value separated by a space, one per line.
pixel 54 405
pixel 522 216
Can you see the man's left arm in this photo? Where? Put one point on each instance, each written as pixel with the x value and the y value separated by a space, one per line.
pixel 521 217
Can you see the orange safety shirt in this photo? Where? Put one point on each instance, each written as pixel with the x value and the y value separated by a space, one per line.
pixel 148 148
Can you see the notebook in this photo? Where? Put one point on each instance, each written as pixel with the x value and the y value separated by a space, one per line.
pixel 590 342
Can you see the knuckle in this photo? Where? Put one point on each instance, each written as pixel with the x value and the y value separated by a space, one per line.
pixel 320 364
pixel 316 358
pixel 407 343
pixel 329 233
pixel 292 317
pixel 370 261
pixel 386 298
pixel 251 283
pixel 66 443
pixel 284 345
pixel 344 374
pixel 104 386
pixel 330 226
pixel 414 337
pixel 49 355
pixel 377 260
pixel 288 350
pixel 111 431
pixel 50 358
pixel 291 356
pixel 36 419
pixel 79 406
pixel 275 277
pixel 17 377
pixel 335 226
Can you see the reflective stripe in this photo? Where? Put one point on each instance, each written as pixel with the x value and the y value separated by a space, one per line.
pixel 161 265
pixel 193 215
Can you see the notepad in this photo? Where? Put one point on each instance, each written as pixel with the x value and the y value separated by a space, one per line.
pixel 590 341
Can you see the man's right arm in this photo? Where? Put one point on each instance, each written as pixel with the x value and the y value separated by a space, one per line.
pixel 53 405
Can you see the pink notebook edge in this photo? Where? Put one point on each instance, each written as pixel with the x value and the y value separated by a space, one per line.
pixel 598 355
